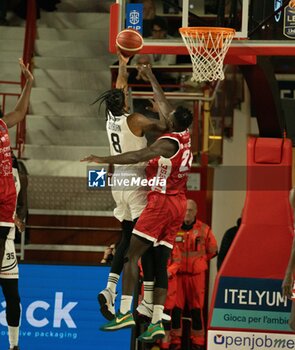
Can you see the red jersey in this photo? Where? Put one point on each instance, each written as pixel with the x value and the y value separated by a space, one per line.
pixel 170 174
pixel 5 152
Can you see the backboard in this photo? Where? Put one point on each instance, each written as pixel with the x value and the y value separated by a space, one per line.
pixel 263 27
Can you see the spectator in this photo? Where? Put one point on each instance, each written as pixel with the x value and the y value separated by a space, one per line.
pixel 159 30
pixel 226 242
pixel 3 13
pixel 197 245
pixel 109 254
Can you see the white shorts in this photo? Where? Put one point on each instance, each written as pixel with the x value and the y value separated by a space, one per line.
pixel 9 262
pixel 130 204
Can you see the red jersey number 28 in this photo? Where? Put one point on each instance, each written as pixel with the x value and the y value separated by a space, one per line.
pixel 186 161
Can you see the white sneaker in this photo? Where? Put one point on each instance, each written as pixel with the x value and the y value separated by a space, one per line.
pixel 106 299
pixel 146 309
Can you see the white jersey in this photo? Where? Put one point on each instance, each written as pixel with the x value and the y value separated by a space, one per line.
pixel 122 140
pixel 130 200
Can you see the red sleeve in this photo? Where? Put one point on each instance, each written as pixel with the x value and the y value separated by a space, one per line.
pixel 211 245
pixel 175 261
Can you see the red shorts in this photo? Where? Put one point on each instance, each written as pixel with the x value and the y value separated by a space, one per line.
pixel 161 218
pixel 7 201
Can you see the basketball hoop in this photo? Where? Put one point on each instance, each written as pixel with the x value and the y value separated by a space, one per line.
pixel 207 47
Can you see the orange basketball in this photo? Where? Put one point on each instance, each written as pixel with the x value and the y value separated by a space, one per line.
pixel 129 42
pixel 292 4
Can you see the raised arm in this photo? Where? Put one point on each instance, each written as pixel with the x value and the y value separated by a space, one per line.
pixel 22 105
pixel 163 147
pixel 164 106
pixel 122 79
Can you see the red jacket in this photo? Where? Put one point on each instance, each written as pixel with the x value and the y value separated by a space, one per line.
pixel 197 247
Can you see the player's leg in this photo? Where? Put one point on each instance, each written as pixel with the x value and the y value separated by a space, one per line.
pixel 145 308
pixel 145 233
pixel 11 295
pixel 156 328
pixel 107 296
pixel 169 305
pixel 138 246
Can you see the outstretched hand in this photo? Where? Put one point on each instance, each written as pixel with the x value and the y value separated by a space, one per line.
pixel 25 70
pixel 154 107
pixel 145 70
pixel 92 159
pixel 121 57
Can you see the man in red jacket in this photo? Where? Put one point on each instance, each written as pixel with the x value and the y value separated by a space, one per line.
pixel 197 245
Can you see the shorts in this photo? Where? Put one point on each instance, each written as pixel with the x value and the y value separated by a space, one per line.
pixel 130 204
pixel 161 218
pixel 9 263
pixel 7 201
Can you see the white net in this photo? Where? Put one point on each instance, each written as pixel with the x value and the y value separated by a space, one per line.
pixel 207 47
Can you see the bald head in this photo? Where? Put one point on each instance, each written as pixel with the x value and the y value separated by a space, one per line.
pixel 191 212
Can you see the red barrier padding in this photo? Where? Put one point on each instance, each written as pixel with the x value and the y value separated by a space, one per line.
pixel 274 151
pixel 262 245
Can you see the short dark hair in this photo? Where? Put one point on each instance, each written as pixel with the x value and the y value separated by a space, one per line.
pixel 114 100
pixel 160 22
pixel 183 117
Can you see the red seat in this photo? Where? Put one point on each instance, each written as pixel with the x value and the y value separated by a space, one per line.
pixel 263 242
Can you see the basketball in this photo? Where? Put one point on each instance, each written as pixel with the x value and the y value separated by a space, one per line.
pixel 292 4
pixel 129 42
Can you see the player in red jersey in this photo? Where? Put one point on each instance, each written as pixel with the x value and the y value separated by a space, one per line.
pixel 8 195
pixel 170 160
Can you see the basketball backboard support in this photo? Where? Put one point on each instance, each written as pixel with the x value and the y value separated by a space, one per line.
pixel 259 27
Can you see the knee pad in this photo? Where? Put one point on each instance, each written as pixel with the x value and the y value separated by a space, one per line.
pixel 161 279
pixel 176 318
pixel 4 231
pixel 196 319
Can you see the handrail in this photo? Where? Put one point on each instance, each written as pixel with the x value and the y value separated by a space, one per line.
pixel 28 53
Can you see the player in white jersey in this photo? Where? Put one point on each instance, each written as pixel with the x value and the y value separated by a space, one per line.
pixel 8 194
pixel 126 132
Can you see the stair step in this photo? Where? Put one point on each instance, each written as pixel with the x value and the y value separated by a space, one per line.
pixel 11 45
pixel 9 71
pixel 64 63
pixel 73 153
pixel 11 56
pixel 12 33
pixel 70 79
pixel 67 193
pixel 66 109
pixel 69 34
pixel 80 6
pixel 54 167
pixel 67 48
pixel 62 95
pixel 64 20
pixel 58 123
pixel 44 137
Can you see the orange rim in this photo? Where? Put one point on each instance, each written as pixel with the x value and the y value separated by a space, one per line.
pixel 192 31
